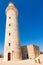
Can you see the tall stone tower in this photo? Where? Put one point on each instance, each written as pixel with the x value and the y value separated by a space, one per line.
pixel 12 49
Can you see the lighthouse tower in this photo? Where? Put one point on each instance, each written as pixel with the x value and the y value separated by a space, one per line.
pixel 12 51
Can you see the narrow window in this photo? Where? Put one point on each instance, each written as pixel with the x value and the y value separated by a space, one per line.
pixel 9 34
pixel 9 24
pixel 9 17
pixel 9 44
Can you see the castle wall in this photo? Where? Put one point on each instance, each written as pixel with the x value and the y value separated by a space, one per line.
pixel 39 59
pixel 24 52
pixel 33 51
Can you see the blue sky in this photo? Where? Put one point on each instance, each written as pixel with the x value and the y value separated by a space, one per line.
pixel 30 20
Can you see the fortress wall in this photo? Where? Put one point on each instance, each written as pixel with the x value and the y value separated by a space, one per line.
pixel 36 51
pixel 39 58
pixel 24 52
pixel 33 51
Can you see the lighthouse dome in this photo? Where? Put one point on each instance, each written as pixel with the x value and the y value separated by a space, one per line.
pixel 11 4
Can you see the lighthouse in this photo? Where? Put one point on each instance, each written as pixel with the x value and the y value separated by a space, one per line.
pixel 12 50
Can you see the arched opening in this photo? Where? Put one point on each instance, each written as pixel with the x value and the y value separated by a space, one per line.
pixel 27 55
pixel 9 56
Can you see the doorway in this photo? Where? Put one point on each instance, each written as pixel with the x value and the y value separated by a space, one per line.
pixel 9 56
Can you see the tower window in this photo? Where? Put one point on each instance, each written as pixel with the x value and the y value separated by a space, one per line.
pixel 9 24
pixel 9 17
pixel 9 44
pixel 9 34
